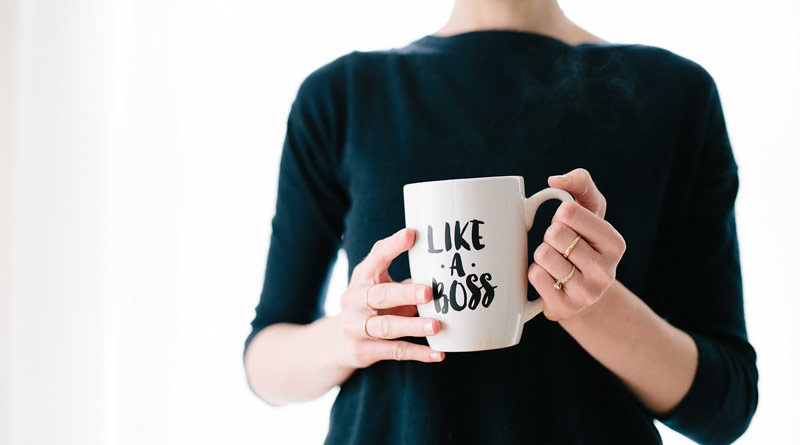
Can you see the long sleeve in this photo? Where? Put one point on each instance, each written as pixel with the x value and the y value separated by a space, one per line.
pixel 705 294
pixel 312 200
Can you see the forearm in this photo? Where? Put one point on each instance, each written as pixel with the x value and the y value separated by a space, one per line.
pixel 656 360
pixel 288 363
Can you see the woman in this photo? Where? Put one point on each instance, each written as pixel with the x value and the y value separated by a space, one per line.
pixel 649 326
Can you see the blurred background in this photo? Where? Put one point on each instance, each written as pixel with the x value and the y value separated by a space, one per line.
pixel 139 148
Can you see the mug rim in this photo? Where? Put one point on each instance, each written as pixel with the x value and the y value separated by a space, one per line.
pixel 469 179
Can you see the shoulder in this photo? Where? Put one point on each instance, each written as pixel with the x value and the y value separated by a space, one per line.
pixel 339 70
pixel 350 76
pixel 323 92
pixel 660 81
pixel 324 80
pixel 665 68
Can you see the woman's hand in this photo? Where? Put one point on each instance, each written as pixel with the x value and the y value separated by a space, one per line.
pixel 595 256
pixel 395 309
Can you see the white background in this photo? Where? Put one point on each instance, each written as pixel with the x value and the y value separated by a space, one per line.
pixel 139 145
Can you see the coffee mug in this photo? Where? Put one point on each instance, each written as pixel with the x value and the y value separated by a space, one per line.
pixel 472 249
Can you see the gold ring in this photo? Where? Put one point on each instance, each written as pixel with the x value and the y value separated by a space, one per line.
pixel 366 300
pixel 560 282
pixel 364 326
pixel 571 246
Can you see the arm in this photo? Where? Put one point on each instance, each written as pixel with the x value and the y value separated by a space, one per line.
pixel 658 367
pixel 293 352
pixel 653 358
pixel 693 369
pixel 702 294
pixel 690 363
pixel 306 234
pixel 292 363
pixel 309 357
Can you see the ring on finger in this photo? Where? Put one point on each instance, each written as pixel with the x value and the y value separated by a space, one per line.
pixel 571 246
pixel 364 326
pixel 561 282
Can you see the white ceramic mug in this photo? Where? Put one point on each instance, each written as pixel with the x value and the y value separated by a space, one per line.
pixel 472 249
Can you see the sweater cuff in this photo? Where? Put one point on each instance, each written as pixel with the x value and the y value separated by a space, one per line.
pixel 704 401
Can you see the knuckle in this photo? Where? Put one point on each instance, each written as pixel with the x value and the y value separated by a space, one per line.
pixel 398 351
pixel 381 295
pixel 540 254
pixel 411 293
pixel 570 209
pixel 383 326
pixel 621 246
pixel 536 274
pixel 551 235
pixel 561 230
pixel 566 211
pixel 417 327
pixel 532 273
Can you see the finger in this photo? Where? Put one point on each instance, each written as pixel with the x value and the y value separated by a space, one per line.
pixel 387 295
pixel 403 311
pixel 409 310
pixel 554 263
pixel 377 261
pixel 580 184
pixel 560 236
pixel 553 298
pixel 402 350
pixel 560 268
pixel 393 326
pixel 599 233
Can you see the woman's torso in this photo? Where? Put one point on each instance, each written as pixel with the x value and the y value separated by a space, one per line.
pixel 510 103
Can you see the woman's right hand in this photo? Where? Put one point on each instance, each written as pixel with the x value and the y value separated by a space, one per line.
pixel 395 309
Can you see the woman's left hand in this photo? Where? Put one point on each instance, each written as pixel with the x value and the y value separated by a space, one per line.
pixel 595 256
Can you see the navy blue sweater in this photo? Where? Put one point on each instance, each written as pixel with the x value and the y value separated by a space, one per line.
pixel 646 123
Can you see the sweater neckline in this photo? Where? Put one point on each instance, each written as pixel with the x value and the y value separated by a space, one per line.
pixel 495 39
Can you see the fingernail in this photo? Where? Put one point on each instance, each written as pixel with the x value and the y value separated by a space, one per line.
pixel 420 293
pixel 561 178
pixel 436 355
pixel 429 326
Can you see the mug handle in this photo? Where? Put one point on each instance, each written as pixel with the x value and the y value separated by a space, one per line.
pixel 532 203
